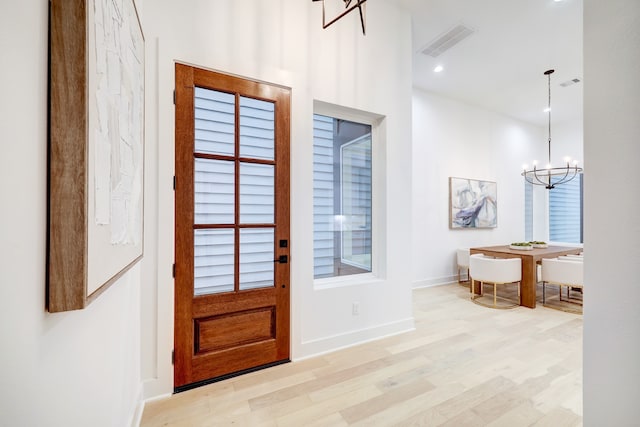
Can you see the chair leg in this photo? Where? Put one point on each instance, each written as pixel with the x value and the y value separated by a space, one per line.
pixel 460 275
pixel 543 293
pixel 495 302
pixel 475 299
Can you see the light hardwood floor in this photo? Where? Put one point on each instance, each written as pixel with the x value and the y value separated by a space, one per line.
pixel 464 365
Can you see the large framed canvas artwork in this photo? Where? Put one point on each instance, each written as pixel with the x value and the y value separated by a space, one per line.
pixel 472 203
pixel 96 148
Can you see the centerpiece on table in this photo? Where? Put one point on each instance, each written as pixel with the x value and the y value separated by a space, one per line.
pixel 539 244
pixel 521 246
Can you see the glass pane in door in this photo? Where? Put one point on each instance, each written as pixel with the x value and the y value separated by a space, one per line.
pixel 214 191
pixel 214 122
pixel 256 193
pixel 213 261
pixel 256 258
pixel 256 128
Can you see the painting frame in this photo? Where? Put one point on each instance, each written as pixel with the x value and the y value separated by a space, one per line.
pixel 95 231
pixel 473 203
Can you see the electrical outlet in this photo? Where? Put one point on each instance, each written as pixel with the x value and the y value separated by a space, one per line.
pixel 355 308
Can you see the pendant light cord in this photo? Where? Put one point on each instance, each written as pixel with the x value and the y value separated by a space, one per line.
pixel 549 111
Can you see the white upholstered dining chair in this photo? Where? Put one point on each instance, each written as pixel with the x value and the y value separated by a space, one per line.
pixel 462 260
pixel 494 271
pixel 564 272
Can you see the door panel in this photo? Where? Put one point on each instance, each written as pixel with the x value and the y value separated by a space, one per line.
pixel 232 212
pixel 250 326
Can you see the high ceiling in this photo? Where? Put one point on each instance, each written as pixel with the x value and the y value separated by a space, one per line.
pixel 500 65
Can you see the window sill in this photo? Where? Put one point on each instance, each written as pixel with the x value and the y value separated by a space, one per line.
pixel 343 281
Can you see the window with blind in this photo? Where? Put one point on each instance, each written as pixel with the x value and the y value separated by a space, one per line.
pixel 528 211
pixel 565 212
pixel 342 189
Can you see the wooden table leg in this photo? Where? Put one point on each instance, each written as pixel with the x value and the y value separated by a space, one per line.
pixel 475 287
pixel 528 297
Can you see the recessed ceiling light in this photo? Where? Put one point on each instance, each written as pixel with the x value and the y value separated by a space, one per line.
pixel 438 69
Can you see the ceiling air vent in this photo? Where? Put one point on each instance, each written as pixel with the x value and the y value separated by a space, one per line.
pixel 570 82
pixel 447 40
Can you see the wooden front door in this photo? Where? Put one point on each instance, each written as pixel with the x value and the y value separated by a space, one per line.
pixel 232 225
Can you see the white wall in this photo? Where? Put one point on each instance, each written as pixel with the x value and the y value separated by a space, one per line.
pixel 282 42
pixel 79 368
pixel 452 139
pixel 612 201
pixel 567 140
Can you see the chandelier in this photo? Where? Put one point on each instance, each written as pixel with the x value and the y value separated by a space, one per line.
pixel 551 176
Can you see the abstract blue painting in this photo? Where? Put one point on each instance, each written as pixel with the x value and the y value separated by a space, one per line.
pixel 473 203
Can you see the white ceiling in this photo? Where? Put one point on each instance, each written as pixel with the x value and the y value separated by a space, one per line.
pixel 500 66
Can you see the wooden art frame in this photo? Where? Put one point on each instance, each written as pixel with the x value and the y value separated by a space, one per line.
pixel 96 148
pixel 473 203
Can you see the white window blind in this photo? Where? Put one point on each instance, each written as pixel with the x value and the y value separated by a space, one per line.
pixel 565 212
pixel 213 261
pixel 215 192
pixel 214 122
pixel 528 211
pixel 256 258
pixel 214 182
pixel 257 128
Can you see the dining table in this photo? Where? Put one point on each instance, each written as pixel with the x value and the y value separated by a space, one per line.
pixel 530 258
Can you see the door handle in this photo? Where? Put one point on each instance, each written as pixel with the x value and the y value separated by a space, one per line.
pixel 282 259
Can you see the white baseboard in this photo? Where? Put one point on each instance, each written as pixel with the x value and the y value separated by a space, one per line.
pixel 137 415
pixel 427 283
pixel 156 388
pixel 333 343
pixel 159 397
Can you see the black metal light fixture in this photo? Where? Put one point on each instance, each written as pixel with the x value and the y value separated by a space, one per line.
pixel 358 4
pixel 550 176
